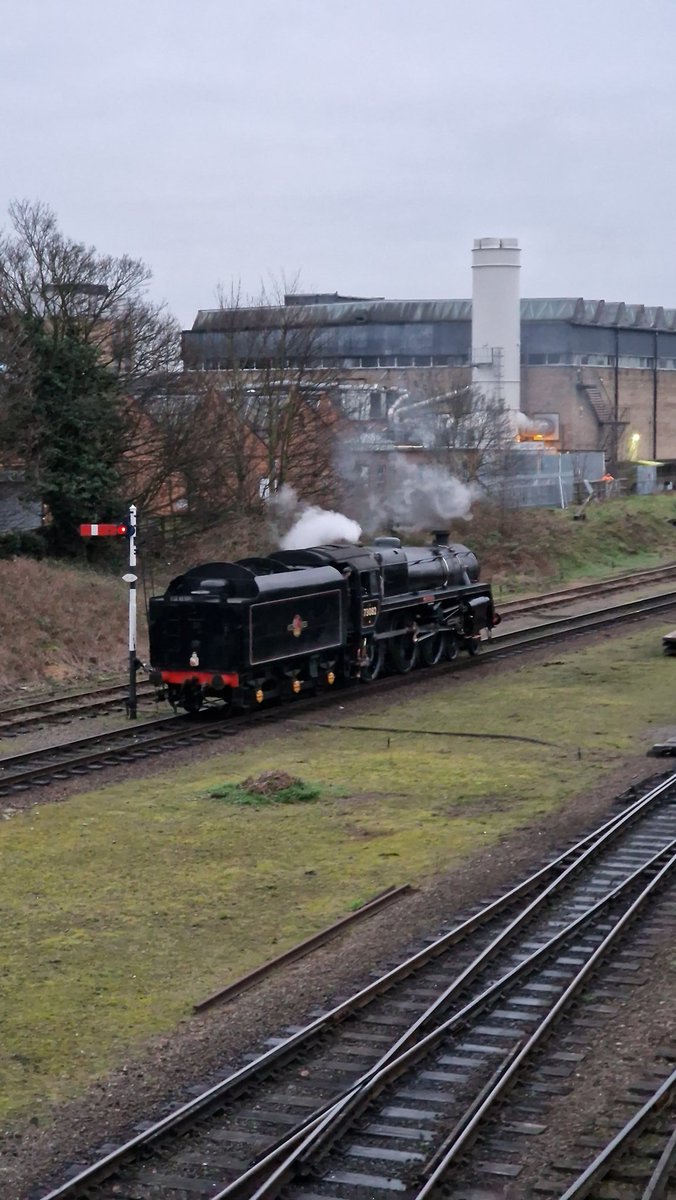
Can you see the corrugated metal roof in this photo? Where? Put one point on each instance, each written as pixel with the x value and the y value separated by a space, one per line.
pixel 361 312
pixel 403 312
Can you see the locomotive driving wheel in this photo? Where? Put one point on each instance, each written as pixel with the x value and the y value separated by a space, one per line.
pixel 372 659
pixel 451 646
pixel 432 649
pixel 403 651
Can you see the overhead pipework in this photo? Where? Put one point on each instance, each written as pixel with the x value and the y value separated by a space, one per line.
pixel 496 320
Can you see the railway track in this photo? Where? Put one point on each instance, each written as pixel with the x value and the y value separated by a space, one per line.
pixel 639 1159
pixel 41 710
pixel 107 698
pixel 580 591
pixel 93 753
pixel 97 751
pixel 390 1089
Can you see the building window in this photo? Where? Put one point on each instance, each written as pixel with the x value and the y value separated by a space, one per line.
pixel 634 361
pixel 375 406
pixel 592 360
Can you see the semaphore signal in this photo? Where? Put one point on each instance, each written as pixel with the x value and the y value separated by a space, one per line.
pixel 120 530
pixel 126 529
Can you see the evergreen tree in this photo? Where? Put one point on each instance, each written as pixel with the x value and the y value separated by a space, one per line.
pixel 81 350
pixel 68 431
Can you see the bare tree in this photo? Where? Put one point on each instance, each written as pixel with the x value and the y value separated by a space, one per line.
pixel 50 280
pixel 458 426
pixel 263 411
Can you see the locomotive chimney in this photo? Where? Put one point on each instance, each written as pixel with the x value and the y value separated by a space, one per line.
pixel 440 537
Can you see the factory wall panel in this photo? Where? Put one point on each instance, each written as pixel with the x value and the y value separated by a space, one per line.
pixel 635 404
pixel 554 390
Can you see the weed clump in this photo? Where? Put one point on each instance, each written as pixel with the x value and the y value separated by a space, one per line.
pixel 272 787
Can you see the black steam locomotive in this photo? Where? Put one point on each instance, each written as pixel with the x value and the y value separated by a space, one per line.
pixel 299 620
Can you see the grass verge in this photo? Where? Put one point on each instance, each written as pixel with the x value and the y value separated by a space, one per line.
pixel 526 549
pixel 123 906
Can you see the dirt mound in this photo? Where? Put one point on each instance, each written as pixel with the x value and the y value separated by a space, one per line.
pixel 270 783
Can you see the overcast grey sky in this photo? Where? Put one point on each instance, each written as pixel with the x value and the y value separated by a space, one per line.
pixel 362 143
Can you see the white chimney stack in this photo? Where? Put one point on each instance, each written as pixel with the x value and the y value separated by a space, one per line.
pixel 496 320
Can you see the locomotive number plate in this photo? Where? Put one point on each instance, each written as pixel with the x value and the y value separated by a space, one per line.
pixel 369 613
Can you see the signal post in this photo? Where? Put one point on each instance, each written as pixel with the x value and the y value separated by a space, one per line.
pixel 127 529
pixel 130 578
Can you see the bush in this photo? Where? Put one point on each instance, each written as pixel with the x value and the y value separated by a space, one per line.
pixel 28 542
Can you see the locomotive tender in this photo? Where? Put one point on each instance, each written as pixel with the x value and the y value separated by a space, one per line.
pixel 298 620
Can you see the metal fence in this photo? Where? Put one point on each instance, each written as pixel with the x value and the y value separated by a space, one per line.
pixel 538 478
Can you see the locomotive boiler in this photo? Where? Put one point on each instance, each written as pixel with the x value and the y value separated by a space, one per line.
pixel 300 620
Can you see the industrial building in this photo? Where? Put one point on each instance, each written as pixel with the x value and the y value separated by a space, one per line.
pixel 588 375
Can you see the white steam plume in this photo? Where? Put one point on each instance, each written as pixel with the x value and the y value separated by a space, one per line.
pixel 317 526
pixel 414 497
pixel 312 526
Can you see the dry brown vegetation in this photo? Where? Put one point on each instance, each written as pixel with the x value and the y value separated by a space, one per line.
pixel 529 548
pixel 60 624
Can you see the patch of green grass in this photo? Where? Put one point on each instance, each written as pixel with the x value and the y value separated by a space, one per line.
pixel 122 907
pixel 237 793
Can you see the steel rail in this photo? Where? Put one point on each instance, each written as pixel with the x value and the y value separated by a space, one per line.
pixel 27 705
pixel 330 1121
pixel 474 968
pixel 124 732
pixel 660 1177
pixel 97 746
pixel 560 596
pixel 582 622
pixel 598 1169
pixel 273 1057
pixel 302 948
pixel 35 712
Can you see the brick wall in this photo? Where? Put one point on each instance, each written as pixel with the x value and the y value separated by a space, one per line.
pixel 554 390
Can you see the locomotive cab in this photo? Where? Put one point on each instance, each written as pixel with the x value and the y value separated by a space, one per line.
pixel 360 567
